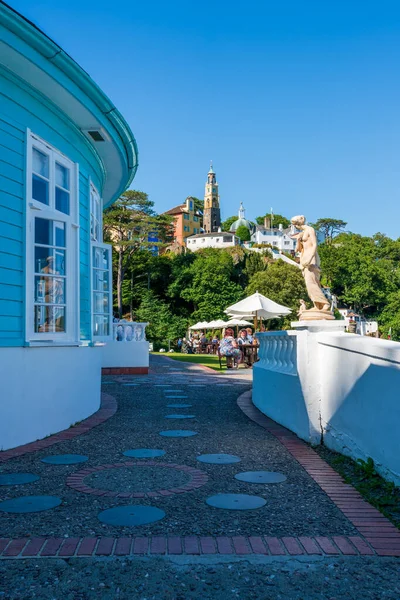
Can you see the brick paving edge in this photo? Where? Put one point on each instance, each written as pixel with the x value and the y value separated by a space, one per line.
pixel 377 533
pixel 108 408
pixel 173 545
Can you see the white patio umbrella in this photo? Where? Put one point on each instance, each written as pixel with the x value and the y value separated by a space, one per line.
pixel 218 324
pixel 200 325
pixel 258 306
pixel 238 322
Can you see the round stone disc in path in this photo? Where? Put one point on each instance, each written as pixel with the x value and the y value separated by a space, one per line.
pixel 17 478
pixel 179 405
pixel 261 477
pixel 178 433
pixel 144 453
pixel 29 504
pixel 131 515
pixel 65 459
pixel 218 459
pixel 236 501
pixel 180 416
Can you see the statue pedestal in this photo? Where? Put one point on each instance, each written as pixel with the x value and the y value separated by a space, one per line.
pixel 313 314
pixel 315 326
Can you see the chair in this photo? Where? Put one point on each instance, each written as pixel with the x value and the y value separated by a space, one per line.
pixel 231 361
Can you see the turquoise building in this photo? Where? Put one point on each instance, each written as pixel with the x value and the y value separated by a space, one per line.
pixel 65 154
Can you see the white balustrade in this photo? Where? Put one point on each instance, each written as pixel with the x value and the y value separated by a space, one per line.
pixel 278 352
pixel 129 331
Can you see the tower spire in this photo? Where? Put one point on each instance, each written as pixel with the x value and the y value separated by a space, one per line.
pixel 212 213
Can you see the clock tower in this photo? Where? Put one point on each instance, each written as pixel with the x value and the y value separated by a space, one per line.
pixel 212 212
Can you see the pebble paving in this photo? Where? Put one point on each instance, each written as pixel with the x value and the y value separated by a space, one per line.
pixel 293 506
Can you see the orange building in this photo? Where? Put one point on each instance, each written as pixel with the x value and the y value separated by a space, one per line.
pixel 187 221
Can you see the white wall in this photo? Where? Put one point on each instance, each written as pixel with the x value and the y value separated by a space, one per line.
pixel 339 387
pixel 360 399
pixel 45 390
pixel 125 354
pixel 215 241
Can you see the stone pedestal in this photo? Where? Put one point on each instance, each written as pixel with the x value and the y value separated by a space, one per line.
pixel 316 326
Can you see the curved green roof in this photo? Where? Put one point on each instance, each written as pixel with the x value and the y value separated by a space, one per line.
pixel 236 224
pixel 81 88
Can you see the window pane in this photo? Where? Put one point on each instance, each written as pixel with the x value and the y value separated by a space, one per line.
pixel 40 189
pixel 100 302
pixel 100 258
pixel 49 261
pixel 101 325
pixel 62 201
pixel 62 176
pixel 50 290
pixel 49 233
pixel 100 281
pixel 49 319
pixel 40 163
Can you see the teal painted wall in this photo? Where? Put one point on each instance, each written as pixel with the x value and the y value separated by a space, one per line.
pixel 21 108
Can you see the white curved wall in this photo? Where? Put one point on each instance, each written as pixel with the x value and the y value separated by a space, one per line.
pixel 45 390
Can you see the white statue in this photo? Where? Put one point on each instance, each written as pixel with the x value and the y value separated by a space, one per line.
pixel 310 267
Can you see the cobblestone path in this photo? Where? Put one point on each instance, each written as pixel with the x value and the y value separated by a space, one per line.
pixel 205 495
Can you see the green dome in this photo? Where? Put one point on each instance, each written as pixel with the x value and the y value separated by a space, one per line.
pixel 236 224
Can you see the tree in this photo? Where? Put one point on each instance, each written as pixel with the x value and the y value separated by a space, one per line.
pixel 212 287
pixel 361 271
pixel 277 220
pixel 243 233
pixel 390 316
pixel 329 227
pixel 128 223
pixel 282 283
pixel 226 225
pixel 163 324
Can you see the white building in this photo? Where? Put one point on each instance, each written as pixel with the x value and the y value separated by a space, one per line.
pixel 216 239
pixel 278 238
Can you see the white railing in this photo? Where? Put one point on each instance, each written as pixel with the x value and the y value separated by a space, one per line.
pixel 278 352
pixel 129 331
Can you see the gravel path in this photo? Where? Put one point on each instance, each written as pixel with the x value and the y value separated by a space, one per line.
pixel 156 579
pixel 294 507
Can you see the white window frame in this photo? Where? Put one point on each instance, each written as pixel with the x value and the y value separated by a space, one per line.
pixel 96 206
pixel 101 338
pixel 36 209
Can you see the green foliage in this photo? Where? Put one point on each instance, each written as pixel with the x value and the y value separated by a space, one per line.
pixel 278 220
pixel 212 287
pixel 163 324
pixel 226 225
pixel 282 283
pixel 243 233
pixel 361 271
pixel 127 226
pixel 329 227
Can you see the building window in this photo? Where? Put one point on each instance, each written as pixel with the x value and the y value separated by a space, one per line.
pixel 186 216
pixel 196 219
pixel 52 245
pixel 227 238
pixel 101 291
pixel 96 214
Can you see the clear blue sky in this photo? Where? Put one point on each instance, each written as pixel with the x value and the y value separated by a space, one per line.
pixel 297 102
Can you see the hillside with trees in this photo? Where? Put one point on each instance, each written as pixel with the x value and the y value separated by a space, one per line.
pixel 171 290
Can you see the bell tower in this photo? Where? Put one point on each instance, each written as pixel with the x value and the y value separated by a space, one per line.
pixel 212 212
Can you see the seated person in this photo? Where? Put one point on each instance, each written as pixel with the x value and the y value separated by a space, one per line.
pixel 203 339
pixel 228 347
pixel 243 339
pixel 250 335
